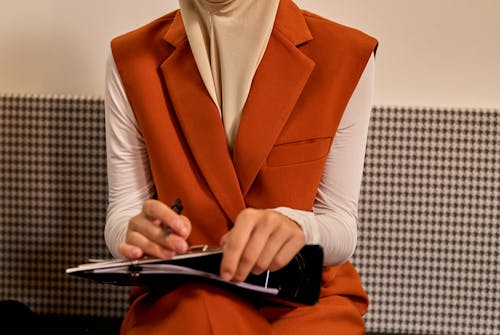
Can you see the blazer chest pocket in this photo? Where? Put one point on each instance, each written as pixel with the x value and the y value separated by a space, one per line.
pixel 299 152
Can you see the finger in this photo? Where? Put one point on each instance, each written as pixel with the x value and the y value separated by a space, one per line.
pixel 167 230
pixel 130 251
pixel 156 210
pixel 148 247
pixel 234 243
pixel 286 231
pixel 223 239
pixel 274 244
pixel 254 248
pixel 187 226
pixel 156 234
pixel 286 254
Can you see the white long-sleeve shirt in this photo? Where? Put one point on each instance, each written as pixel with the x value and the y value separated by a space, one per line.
pixel 333 221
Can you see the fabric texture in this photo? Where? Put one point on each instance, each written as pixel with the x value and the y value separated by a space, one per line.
pixel 53 198
pixel 429 238
pixel 204 309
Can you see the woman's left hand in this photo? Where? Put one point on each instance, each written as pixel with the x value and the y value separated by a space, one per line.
pixel 261 239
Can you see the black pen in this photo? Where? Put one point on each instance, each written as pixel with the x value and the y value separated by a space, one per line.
pixel 177 207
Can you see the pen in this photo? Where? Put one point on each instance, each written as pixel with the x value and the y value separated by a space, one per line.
pixel 177 207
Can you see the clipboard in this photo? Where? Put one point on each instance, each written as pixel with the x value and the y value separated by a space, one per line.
pixel 297 283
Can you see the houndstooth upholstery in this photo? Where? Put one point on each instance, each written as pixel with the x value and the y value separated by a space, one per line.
pixel 429 212
pixel 53 204
pixel 429 242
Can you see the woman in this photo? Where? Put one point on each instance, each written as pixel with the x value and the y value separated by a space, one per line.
pixel 255 114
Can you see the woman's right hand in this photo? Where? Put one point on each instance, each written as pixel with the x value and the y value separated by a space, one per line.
pixel 146 233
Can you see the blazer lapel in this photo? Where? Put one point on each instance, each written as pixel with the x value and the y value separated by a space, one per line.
pixel 277 85
pixel 200 121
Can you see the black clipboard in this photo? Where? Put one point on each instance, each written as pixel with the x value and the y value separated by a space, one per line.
pixel 295 284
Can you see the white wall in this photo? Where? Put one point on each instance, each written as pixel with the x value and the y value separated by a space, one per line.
pixel 432 52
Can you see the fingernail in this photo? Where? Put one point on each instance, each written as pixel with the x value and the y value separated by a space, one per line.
pixel 180 246
pixel 226 276
pixel 136 253
pixel 168 253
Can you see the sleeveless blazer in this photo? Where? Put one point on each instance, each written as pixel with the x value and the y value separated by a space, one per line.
pixel 306 77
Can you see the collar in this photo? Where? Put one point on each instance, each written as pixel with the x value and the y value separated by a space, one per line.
pixel 289 22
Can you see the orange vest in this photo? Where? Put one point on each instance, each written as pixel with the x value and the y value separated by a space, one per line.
pixel 306 77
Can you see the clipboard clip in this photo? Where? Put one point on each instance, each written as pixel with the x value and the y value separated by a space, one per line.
pixel 135 269
pixel 198 248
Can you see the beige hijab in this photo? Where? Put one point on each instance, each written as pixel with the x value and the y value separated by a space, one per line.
pixel 228 39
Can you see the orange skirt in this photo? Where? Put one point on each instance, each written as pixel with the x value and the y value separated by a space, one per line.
pixel 197 308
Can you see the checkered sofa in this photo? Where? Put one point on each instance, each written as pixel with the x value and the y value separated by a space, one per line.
pixel 428 250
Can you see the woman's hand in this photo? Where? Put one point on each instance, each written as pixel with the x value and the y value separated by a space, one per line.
pixel 260 240
pixel 146 233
